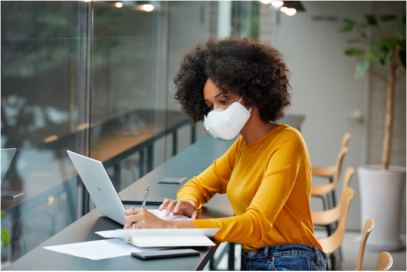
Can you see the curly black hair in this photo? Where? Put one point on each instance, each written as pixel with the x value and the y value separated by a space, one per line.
pixel 246 68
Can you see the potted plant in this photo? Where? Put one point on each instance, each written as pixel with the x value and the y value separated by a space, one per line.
pixel 382 186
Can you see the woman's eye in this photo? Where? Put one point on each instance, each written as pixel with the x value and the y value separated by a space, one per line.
pixel 224 101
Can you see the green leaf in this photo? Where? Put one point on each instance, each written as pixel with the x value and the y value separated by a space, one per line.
pixel 5 237
pixel 372 56
pixel 348 21
pixel 346 28
pixel 402 55
pixel 351 41
pixel 364 25
pixel 387 18
pixel 371 19
pixel 401 28
pixel 354 52
pixel 3 213
pixel 361 69
pixel 386 56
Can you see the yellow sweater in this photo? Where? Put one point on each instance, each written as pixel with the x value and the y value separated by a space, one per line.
pixel 268 183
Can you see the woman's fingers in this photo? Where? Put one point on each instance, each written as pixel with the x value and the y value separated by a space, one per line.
pixel 194 214
pixel 164 204
pixel 135 211
pixel 170 207
pixel 133 218
pixel 178 206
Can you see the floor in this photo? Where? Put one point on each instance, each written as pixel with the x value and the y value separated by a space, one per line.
pixel 350 250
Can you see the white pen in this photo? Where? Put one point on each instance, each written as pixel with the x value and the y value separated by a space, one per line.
pixel 145 197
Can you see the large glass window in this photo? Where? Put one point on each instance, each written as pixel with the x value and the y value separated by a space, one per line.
pixel 44 89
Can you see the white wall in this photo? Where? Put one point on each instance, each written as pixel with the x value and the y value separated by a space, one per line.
pixel 324 88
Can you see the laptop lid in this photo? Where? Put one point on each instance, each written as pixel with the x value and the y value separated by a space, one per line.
pixel 7 156
pixel 99 186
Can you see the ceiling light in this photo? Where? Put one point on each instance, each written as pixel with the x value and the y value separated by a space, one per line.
pixel 118 4
pixel 277 3
pixel 283 9
pixel 290 11
pixel 148 7
pixel 266 1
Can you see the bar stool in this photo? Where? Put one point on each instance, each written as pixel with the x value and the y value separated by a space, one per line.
pixel 332 243
pixel 330 172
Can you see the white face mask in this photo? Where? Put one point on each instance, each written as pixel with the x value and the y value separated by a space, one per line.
pixel 226 124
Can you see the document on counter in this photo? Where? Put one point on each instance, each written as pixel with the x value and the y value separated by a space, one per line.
pixel 100 249
pixel 163 237
pixel 161 214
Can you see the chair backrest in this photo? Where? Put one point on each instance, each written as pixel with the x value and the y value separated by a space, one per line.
pixel 347 177
pixel 333 215
pixel 367 229
pixel 345 140
pixel 338 165
pixel 384 262
pixel 332 243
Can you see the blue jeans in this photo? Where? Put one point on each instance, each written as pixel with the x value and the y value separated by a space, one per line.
pixel 285 257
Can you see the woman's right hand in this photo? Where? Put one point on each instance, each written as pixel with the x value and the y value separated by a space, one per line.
pixel 180 207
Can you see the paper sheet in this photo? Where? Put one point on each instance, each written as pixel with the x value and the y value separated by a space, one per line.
pixel 124 233
pixel 100 249
pixel 170 217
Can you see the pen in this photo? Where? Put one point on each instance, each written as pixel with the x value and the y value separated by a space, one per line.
pixel 145 197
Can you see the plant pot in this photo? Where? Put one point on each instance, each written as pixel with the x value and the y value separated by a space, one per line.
pixel 381 193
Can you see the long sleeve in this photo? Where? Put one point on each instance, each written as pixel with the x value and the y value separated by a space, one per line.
pixel 211 181
pixel 276 186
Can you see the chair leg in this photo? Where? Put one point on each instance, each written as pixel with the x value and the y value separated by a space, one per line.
pixel 328 230
pixel 333 261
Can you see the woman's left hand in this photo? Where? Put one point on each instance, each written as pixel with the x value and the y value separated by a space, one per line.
pixel 143 219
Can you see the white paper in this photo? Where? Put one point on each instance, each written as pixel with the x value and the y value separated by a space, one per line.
pixel 124 233
pixel 161 214
pixel 100 249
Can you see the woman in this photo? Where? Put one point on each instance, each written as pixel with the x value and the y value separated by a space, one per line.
pixel 240 86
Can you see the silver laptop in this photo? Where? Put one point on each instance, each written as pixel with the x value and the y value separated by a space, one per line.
pixel 99 186
pixel 7 156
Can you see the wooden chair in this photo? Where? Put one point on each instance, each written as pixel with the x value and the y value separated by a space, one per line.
pixel 332 173
pixel 367 229
pixel 332 243
pixel 384 262
pixel 326 218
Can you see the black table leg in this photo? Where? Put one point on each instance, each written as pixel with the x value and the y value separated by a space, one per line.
pixel 242 265
pixel 150 157
pixel 193 134
pixel 174 143
pixel 141 163
pixel 231 257
pixel 117 175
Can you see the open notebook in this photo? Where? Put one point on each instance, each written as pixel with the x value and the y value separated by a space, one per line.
pixel 163 237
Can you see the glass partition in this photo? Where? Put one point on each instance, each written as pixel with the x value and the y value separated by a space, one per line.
pixel 43 92
pixel 128 109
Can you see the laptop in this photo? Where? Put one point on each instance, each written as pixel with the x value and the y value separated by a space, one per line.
pixel 7 156
pixel 99 186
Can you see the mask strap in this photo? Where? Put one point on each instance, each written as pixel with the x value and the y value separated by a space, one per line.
pixel 250 110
